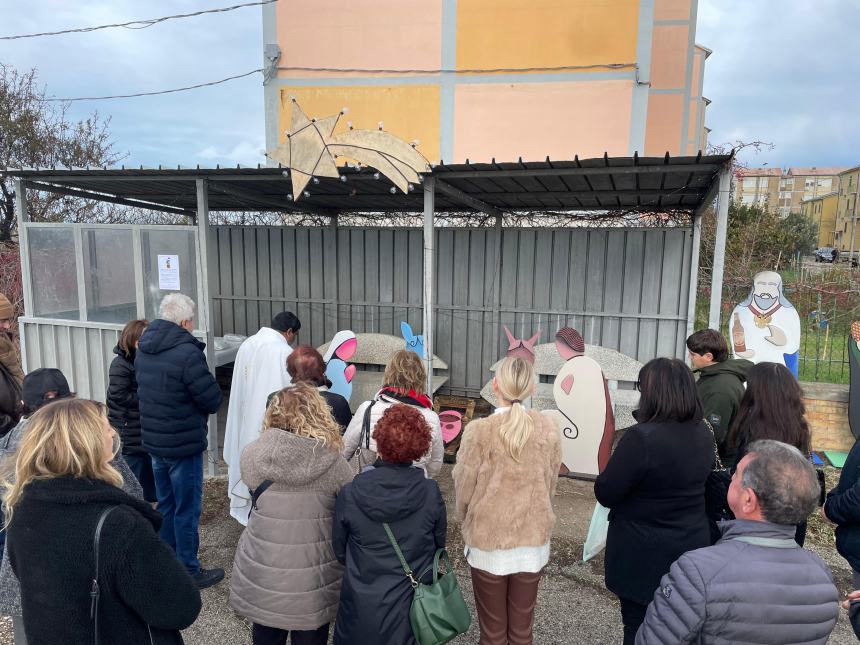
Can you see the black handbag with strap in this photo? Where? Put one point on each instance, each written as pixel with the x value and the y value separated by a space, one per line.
pixel 359 460
pixel 95 591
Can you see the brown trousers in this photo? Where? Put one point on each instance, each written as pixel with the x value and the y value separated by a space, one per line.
pixel 506 606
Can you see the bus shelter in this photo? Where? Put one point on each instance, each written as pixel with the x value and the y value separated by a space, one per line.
pixel 627 283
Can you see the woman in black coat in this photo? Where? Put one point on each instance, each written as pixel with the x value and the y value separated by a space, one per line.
pixel 654 486
pixel 64 482
pixel 123 409
pixel 376 594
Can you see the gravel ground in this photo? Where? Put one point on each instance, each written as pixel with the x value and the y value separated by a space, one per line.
pixel 573 605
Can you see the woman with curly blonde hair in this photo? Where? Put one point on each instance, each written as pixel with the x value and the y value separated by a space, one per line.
pixel 403 382
pixel 65 486
pixel 285 574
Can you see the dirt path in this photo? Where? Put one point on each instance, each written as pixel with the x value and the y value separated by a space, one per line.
pixel 573 605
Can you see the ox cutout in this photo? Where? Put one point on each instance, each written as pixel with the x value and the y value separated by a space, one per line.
pixel 524 349
pixel 765 327
pixel 854 379
pixel 413 343
pixel 584 416
pixel 341 348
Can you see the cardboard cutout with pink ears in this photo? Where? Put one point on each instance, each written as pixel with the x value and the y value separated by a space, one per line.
pixel 524 349
pixel 584 416
pixel 341 348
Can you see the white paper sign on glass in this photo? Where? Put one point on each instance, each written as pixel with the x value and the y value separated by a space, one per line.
pixel 168 272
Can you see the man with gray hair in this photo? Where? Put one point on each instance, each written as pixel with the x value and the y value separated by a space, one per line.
pixel 177 393
pixel 755 585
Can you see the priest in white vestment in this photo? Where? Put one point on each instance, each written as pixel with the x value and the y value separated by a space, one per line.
pixel 260 369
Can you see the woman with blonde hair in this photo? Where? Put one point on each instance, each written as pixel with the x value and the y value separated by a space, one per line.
pixel 286 579
pixel 67 493
pixel 404 382
pixel 504 480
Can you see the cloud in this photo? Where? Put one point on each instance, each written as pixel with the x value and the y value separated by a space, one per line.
pixel 783 72
pixel 169 129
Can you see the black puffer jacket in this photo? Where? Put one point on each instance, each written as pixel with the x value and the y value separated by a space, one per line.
pixel 843 508
pixel 143 586
pixel 375 595
pixel 122 403
pixel 177 392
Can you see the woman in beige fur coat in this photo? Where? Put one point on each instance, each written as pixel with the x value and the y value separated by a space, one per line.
pixel 505 477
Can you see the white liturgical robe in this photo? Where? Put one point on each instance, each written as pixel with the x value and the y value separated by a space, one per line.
pixel 260 369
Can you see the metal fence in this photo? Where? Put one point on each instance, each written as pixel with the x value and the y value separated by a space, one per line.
pixel 622 288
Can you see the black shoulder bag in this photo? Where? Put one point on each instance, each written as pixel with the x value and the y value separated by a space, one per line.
pixel 94 589
pixel 360 460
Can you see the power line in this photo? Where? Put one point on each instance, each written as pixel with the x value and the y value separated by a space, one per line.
pixel 355 70
pixel 157 92
pixel 139 24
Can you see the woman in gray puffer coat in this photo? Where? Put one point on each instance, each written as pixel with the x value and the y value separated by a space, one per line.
pixel 285 574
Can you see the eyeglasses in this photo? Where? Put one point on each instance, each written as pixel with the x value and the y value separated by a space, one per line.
pixel 638 385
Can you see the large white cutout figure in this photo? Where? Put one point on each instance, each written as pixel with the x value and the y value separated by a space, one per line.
pixel 765 327
pixel 584 416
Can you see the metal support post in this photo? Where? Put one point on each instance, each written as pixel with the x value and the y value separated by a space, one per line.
pixel 204 311
pixel 723 198
pixel 429 208
pixel 24 256
pixel 694 273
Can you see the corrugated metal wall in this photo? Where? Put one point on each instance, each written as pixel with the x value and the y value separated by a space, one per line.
pixel 81 351
pixel 622 288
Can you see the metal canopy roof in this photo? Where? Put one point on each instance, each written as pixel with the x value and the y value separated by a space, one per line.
pixel 640 184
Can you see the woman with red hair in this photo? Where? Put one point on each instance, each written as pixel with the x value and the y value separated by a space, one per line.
pixel 376 595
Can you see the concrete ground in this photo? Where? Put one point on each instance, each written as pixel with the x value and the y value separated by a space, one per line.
pixel 573 605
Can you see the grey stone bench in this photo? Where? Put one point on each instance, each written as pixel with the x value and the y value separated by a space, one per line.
pixel 371 355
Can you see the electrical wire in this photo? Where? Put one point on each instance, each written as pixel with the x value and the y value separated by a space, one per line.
pixel 138 24
pixel 155 93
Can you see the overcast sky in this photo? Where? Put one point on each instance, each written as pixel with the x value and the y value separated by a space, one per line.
pixel 783 71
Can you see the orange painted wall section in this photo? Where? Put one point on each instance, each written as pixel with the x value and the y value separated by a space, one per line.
pixel 534 120
pixel 669 56
pixel 363 34
pixel 663 130
pixel 672 10
pixel 408 111
pixel 545 33
pixel 693 125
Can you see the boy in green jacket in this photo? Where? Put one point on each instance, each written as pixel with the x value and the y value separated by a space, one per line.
pixel 720 381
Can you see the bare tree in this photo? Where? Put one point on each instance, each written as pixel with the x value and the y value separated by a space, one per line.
pixel 37 132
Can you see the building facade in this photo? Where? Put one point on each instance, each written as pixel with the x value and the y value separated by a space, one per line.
pixel 484 79
pixel 781 191
pixel 821 211
pixel 847 211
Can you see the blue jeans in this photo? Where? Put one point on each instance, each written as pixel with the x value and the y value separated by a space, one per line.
pixel 179 488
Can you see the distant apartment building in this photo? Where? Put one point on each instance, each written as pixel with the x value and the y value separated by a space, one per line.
pixel 781 191
pixel 847 211
pixel 484 79
pixel 821 211
pixel 757 186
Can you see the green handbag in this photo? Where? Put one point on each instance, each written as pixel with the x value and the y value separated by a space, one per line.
pixel 438 611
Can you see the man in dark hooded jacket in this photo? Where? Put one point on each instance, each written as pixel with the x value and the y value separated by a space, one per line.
pixel 721 380
pixel 177 393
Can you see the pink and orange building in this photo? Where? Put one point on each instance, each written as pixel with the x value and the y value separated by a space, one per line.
pixel 503 79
